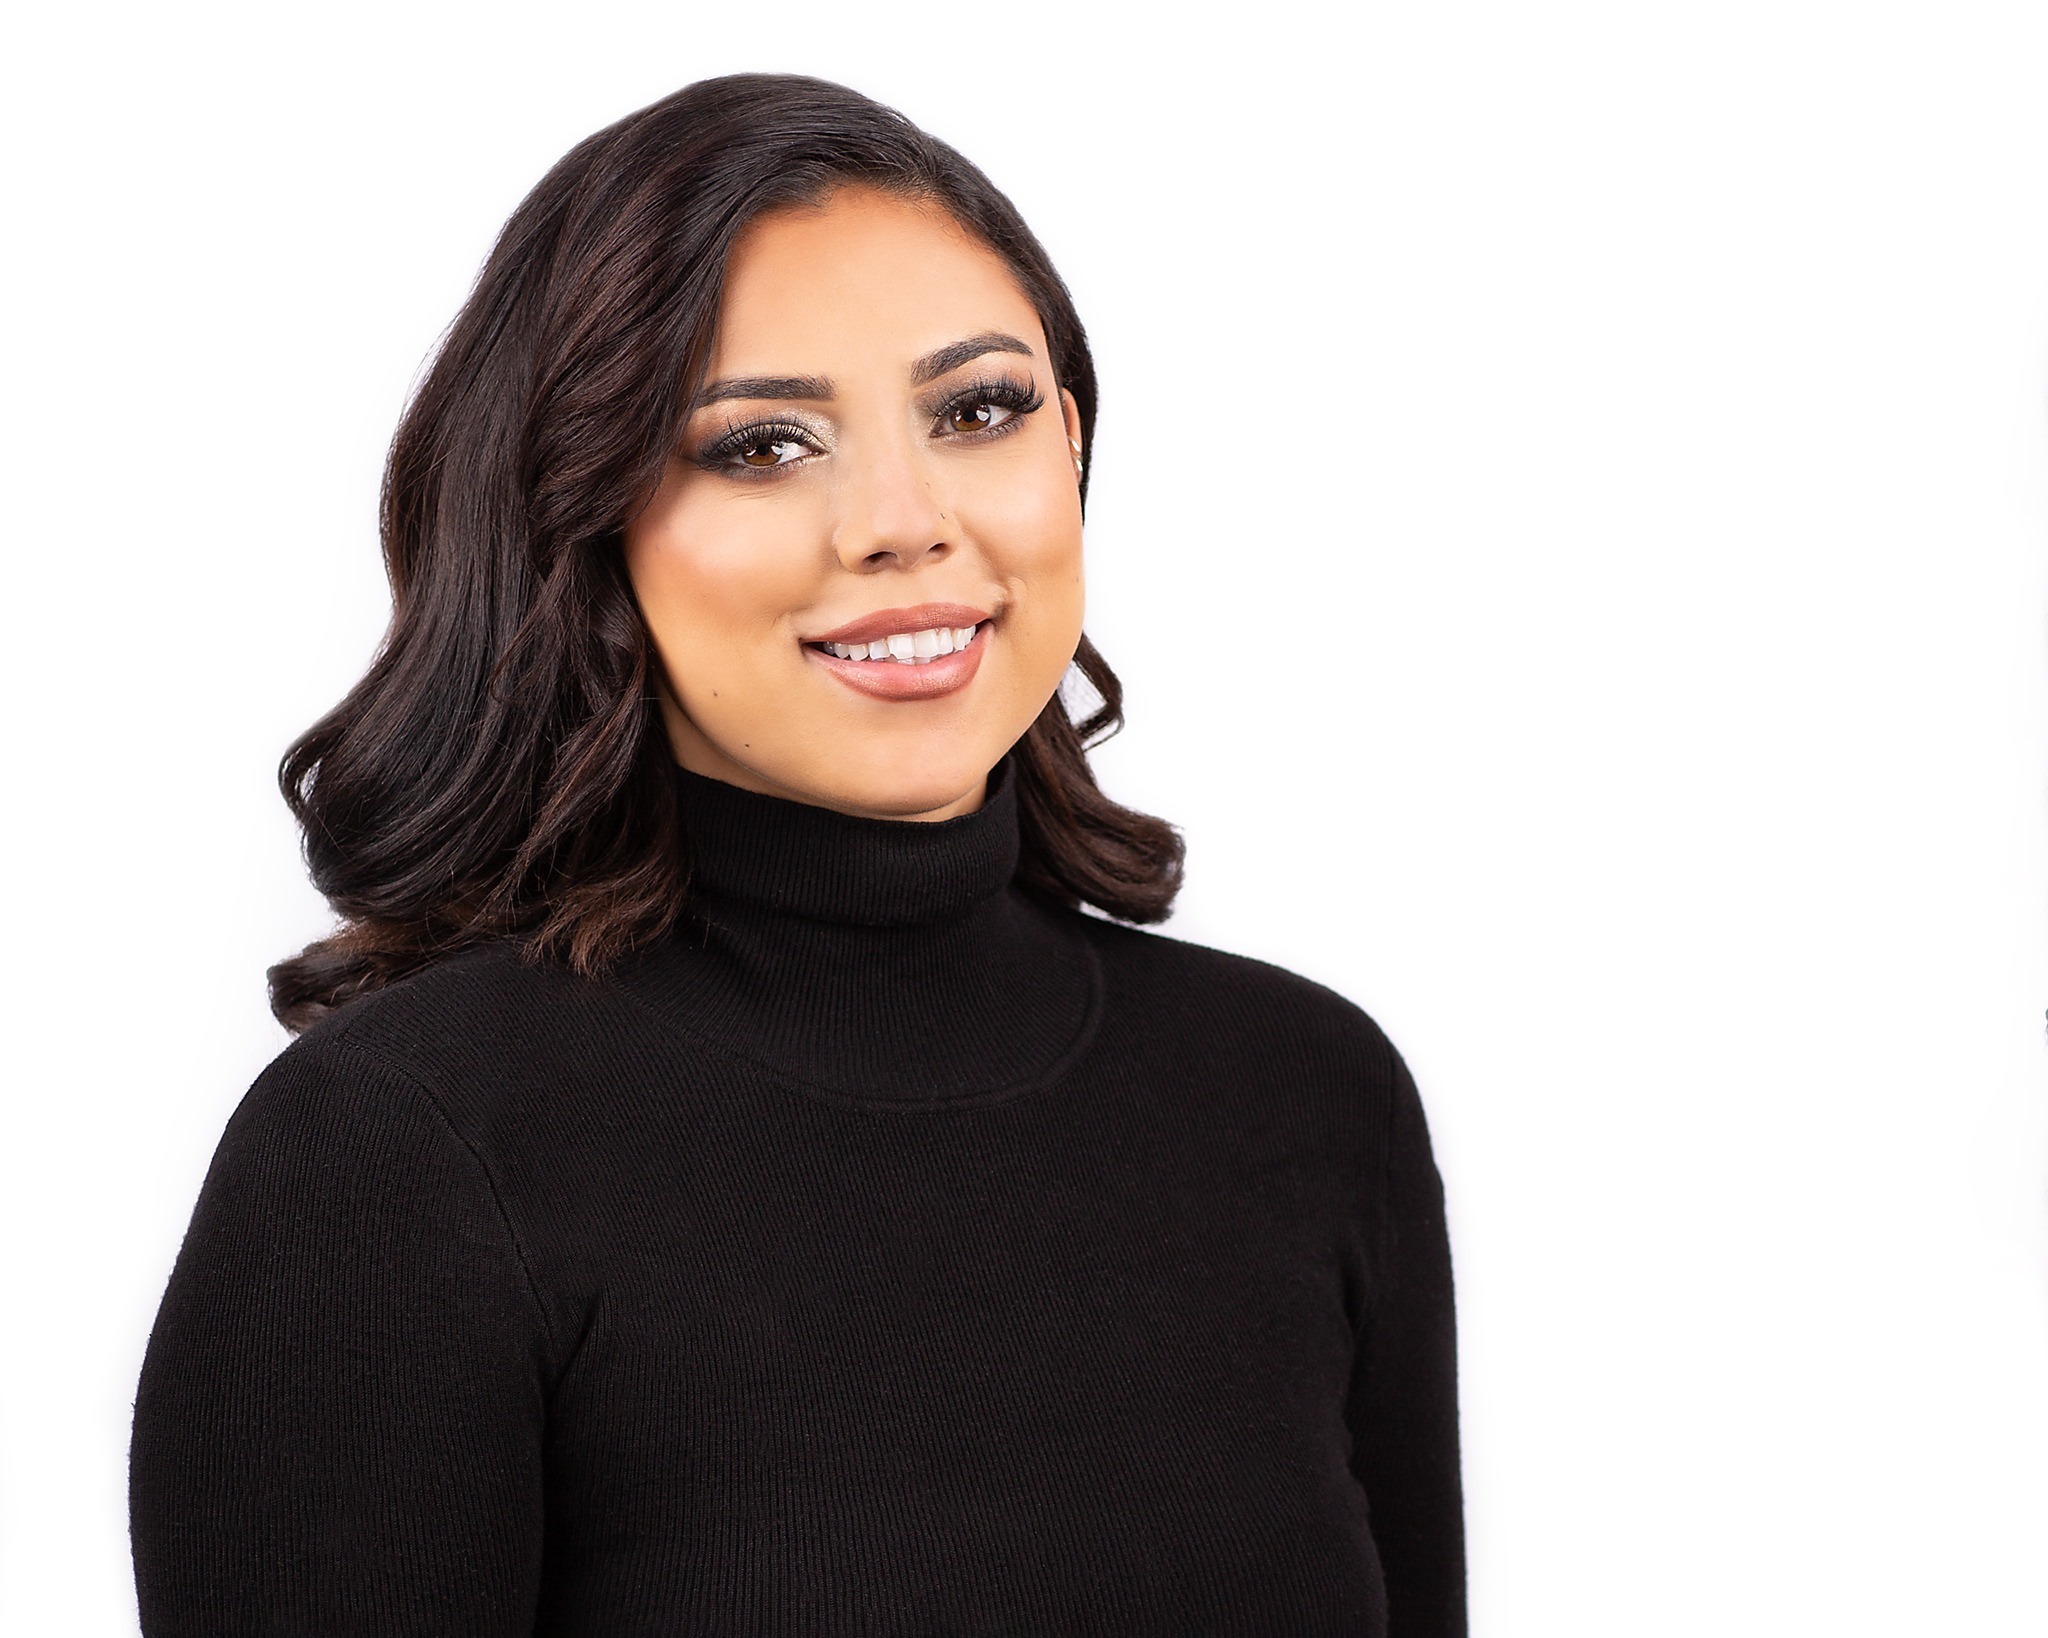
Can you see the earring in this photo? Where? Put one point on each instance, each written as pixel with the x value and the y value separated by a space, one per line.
pixel 1075 445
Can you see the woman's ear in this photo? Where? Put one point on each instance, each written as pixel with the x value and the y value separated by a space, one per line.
pixel 1071 411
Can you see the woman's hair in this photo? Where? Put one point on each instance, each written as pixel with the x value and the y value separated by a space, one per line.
pixel 502 769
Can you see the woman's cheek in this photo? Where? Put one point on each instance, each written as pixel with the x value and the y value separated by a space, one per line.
pixel 1060 554
pixel 1033 530
pixel 729 580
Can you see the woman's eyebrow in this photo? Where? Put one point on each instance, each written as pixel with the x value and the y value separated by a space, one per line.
pixel 933 365
pixel 811 388
pixel 817 389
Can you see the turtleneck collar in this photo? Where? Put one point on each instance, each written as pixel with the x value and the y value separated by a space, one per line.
pixel 876 961
pixel 823 865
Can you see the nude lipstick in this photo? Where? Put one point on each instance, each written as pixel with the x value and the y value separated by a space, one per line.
pixel 916 653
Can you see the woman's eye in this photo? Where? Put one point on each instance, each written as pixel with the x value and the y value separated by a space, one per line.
pixel 975 417
pixel 767 452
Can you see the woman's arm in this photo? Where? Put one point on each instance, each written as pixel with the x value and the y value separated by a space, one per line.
pixel 338 1426
pixel 1403 1407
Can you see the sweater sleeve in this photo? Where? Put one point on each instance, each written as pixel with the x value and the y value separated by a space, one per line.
pixel 1403 1403
pixel 338 1424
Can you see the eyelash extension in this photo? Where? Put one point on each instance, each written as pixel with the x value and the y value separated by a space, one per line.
pixel 1001 390
pixel 736 438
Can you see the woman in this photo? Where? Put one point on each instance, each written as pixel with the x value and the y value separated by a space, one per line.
pixel 726 1183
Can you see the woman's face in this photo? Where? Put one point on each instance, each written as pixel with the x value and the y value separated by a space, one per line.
pixel 862 569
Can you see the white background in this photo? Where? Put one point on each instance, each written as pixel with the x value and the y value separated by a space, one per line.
pixel 1569 510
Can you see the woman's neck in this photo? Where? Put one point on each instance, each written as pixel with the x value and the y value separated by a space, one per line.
pixel 872 959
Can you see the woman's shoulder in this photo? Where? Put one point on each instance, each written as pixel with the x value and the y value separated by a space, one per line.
pixel 487 998
pixel 474 1038
pixel 1212 992
pixel 1278 1052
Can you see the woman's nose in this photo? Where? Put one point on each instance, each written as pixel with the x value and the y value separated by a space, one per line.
pixel 891 514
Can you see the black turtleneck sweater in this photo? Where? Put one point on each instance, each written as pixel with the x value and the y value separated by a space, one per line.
pixel 884 1253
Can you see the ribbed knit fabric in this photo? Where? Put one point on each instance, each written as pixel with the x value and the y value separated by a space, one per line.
pixel 884 1253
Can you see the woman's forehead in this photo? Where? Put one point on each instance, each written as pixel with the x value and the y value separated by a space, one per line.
pixel 865 277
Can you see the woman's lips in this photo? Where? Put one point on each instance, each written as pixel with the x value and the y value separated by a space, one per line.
pixel 887 622
pixel 896 680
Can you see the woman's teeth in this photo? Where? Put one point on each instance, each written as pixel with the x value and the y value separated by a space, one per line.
pixel 907 647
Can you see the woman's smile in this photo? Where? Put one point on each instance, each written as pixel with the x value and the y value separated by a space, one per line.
pixel 918 653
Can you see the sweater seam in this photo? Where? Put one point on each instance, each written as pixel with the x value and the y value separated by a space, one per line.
pixel 1383 1236
pixel 946 1103
pixel 433 1101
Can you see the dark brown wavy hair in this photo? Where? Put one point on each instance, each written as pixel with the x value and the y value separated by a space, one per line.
pixel 502 770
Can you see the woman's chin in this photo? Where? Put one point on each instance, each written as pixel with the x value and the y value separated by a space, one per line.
pixel 875 780
pixel 925 794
